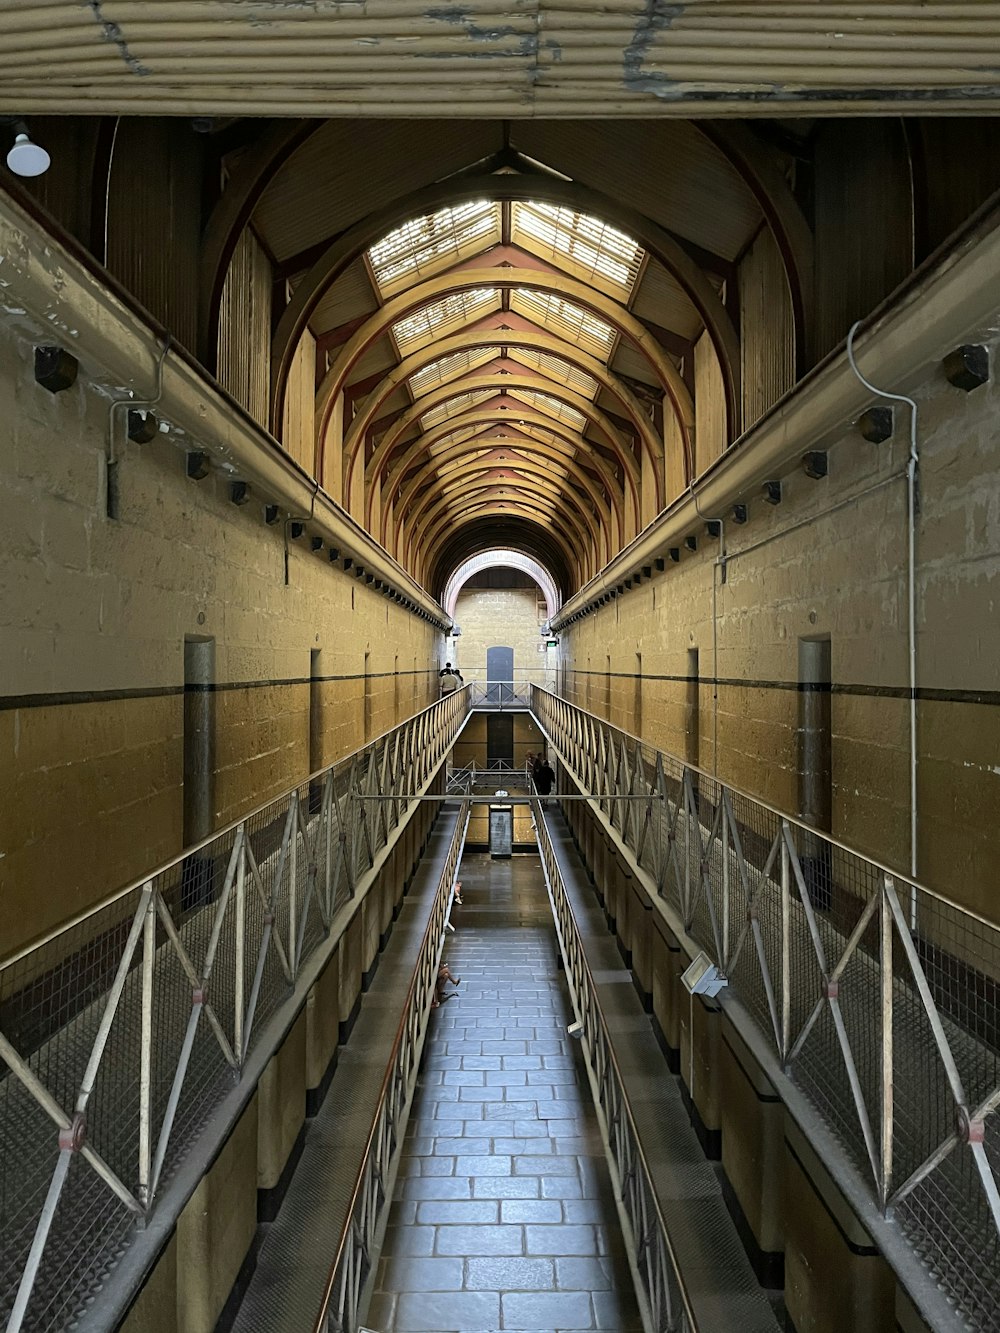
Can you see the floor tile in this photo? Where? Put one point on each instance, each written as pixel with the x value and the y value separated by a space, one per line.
pixel 473 1241
pixel 510 1274
pixel 548 1310
pixel 452 1312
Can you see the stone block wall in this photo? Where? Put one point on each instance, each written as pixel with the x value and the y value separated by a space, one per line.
pixel 94 613
pixel 502 616
pixel 831 560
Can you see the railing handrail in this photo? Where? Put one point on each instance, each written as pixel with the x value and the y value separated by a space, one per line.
pixel 164 867
pixel 674 1263
pixel 809 829
pixel 858 1004
pixel 450 864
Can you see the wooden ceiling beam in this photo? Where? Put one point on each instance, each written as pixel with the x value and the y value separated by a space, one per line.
pixel 543 188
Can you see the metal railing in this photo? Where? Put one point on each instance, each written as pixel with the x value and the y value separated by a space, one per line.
pixel 660 1285
pixel 345 1293
pixel 474 779
pixel 499 694
pixel 121 1033
pixel 879 997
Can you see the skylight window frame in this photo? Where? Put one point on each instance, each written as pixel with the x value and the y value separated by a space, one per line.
pixel 552 406
pixel 573 323
pixel 442 411
pixel 582 244
pixel 449 313
pixel 461 363
pixel 559 369
pixel 430 243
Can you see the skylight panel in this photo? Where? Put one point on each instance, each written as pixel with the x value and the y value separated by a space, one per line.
pixel 448 367
pixel 427 244
pixel 455 437
pixel 453 407
pixel 577 325
pixel 555 407
pixel 595 249
pixel 444 316
pixel 556 368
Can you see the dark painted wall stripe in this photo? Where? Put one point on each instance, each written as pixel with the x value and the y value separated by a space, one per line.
pixel 12 701
pixel 925 694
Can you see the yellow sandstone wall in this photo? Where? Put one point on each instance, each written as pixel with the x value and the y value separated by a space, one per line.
pixel 510 617
pixel 93 618
pixel 830 560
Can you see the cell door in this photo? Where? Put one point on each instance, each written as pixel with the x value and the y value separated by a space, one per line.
pixel 500 739
pixel 499 674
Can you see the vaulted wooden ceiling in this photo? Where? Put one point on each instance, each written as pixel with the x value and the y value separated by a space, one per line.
pixel 502 354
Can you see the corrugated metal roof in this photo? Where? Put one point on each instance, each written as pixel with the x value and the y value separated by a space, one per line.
pixel 483 58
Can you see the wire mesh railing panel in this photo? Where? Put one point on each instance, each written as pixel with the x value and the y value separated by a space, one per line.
pixel 948 1221
pixel 660 1283
pixel 58 1296
pixel 880 998
pixel 28 1155
pixel 121 1035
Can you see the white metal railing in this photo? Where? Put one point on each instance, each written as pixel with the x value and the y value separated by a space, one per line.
pixel 500 694
pixel 121 1032
pixel 660 1286
pixel 474 779
pixel 354 1252
pixel 879 997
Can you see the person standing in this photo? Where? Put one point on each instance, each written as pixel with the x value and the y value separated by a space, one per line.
pixel 544 776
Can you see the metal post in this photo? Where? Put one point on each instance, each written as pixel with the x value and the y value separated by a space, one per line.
pixel 27 1283
pixel 293 880
pixel 724 803
pixel 146 1051
pixel 885 922
pixel 239 961
pixel 786 948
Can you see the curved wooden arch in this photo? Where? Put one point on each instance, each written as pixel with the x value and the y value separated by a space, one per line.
pixel 543 519
pixel 658 242
pixel 445 284
pixel 431 502
pixel 524 534
pixel 465 341
pixel 762 176
pixel 567 444
pixel 466 465
pixel 532 417
pixel 502 384
pixel 579 568
pixel 231 215
pixel 501 557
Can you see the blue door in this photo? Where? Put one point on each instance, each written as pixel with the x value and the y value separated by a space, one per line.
pixel 499 675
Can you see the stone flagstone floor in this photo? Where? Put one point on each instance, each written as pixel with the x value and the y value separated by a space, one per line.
pixel 503 1216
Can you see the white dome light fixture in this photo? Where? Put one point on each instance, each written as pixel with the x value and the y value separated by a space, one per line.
pixel 26 158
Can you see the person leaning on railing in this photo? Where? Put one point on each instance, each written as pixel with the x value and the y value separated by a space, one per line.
pixel 449 682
